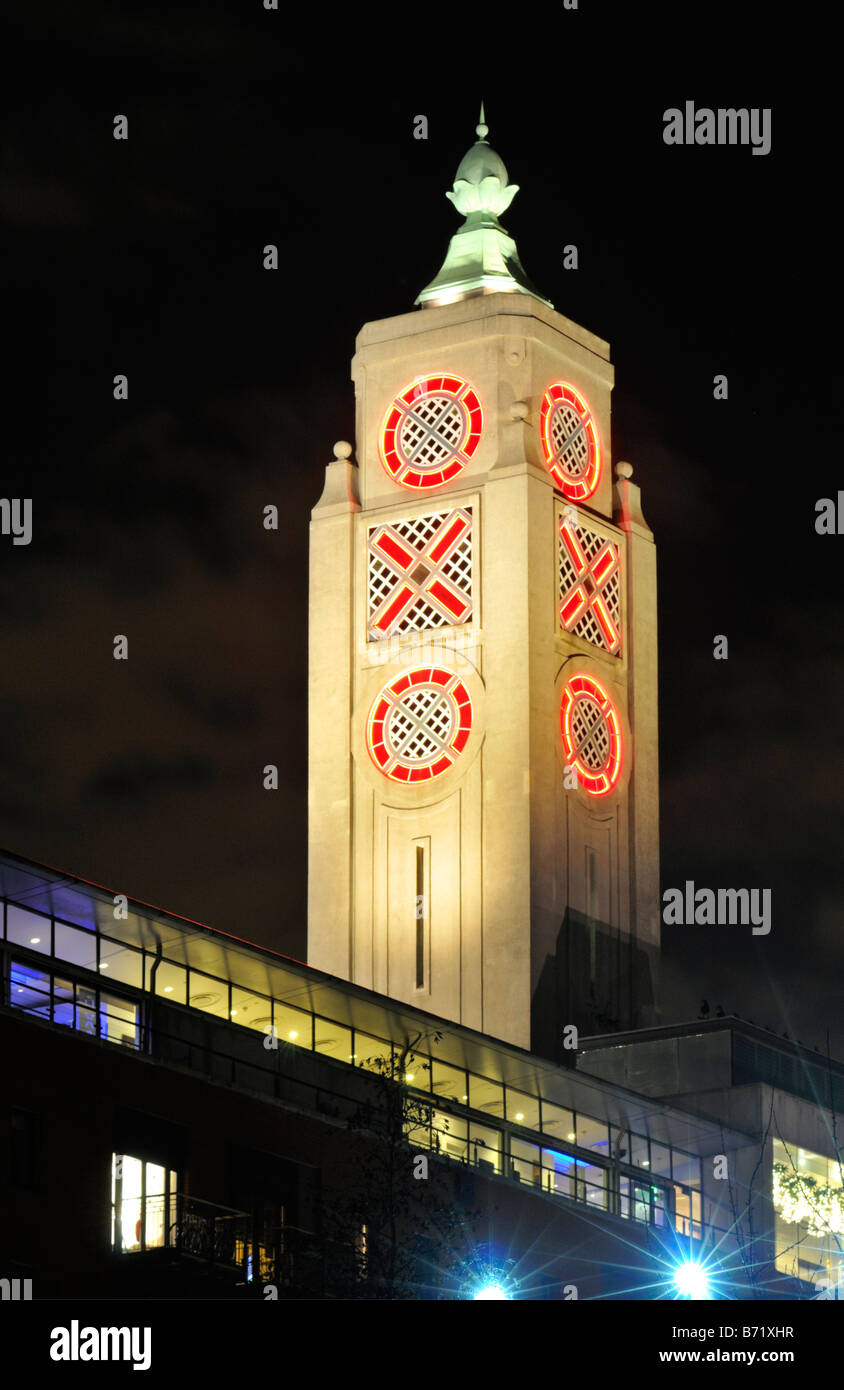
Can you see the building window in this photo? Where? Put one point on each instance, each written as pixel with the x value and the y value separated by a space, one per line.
pixel 261 1258
pixel 29 929
pixel 421 916
pixel 592 910
pixel 808 1197
pixel 420 573
pixel 419 724
pixel 525 1162
pixel 143 1204
pixel 430 431
pixel 687 1212
pixel 591 731
pixel 559 1173
pixel 589 596
pixel 73 1004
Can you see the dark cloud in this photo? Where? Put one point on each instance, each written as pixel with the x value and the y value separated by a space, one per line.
pixel 221 711
pixel 141 777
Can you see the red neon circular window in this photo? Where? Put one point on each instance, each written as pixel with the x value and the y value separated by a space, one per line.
pixel 591 731
pixel 570 441
pixel 431 431
pixel 419 724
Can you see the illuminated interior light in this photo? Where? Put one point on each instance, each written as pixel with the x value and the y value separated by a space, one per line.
pixel 570 442
pixel 802 1199
pixel 294 1034
pixel 571 1137
pixel 34 940
pixel 520 1117
pixel 408 1076
pixel 104 965
pixel 430 431
pixel 168 989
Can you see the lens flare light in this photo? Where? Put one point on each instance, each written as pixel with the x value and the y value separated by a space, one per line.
pixel 691 1280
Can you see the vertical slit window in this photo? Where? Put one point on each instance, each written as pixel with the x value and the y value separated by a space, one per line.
pixel 592 906
pixel 420 917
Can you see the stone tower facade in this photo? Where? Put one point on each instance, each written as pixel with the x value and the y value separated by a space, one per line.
pixel 483 779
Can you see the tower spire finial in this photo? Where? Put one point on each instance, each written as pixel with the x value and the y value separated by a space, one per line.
pixel 482 257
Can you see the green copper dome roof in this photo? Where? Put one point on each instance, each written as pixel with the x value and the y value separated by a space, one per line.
pixel 481 162
pixel 482 257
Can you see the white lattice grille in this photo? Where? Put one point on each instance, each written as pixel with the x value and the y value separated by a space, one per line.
pixel 569 440
pixel 431 431
pixel 418 577
pixel 575 574
pixel 590 733
pixel 421 725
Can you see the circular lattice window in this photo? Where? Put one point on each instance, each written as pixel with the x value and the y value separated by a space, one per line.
pixel 431 431
pixel 591 731
pixel 419 724
pixel 570 442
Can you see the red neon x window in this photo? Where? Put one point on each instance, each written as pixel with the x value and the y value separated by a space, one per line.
pixel 433 579
pixel 570 441
pixel 419 724
pixel 586 594
pixel 431 431
pixel 591 731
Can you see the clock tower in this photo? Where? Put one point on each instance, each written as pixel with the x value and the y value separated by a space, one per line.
pixel 483 798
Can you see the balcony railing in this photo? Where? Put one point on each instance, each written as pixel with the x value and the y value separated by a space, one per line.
pixel 231 1242
pixel 217 1235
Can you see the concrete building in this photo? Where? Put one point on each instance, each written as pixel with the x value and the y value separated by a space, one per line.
pixel 483 798
pixel 192 1116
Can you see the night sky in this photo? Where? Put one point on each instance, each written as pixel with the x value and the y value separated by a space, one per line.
pixel 144 257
